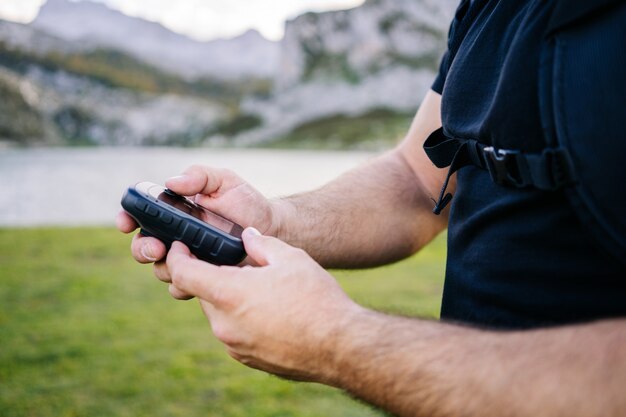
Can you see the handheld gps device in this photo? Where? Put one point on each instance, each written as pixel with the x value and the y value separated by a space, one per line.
pixel 169 217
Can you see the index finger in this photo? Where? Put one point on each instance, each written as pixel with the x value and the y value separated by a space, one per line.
pixel 125 223
pixel 198 278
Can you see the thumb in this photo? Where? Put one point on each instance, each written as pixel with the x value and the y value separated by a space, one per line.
pixel 264 250
pixel 201 279
pixel 196 180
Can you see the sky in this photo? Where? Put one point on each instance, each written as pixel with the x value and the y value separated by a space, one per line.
pixel 200 19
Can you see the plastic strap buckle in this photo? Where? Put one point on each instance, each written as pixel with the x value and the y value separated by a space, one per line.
pixel 503 166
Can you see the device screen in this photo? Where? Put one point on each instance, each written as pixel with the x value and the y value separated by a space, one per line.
pixel 187 206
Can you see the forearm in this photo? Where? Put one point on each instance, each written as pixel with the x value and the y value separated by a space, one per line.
pixel 421 368
pixel 377 213
pixel 372 215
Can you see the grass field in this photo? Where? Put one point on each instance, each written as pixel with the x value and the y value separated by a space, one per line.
pixel 84 331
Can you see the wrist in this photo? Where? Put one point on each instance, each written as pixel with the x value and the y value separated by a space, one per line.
pixel 343 335
pixel 281 211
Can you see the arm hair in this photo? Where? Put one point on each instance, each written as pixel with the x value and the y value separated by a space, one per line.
pixel 375 214
pixel 422 368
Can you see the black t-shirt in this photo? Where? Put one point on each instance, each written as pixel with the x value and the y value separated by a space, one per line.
pixel 517 258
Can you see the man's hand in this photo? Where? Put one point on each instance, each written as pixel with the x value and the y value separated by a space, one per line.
pixel 218 190
pixel 282 317
pixel 375 214
pixel 289 317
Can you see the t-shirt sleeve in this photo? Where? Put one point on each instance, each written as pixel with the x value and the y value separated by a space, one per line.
pixel 446 60
pixel 437 86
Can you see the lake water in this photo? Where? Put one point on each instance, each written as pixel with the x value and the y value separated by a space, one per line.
pixel 84 186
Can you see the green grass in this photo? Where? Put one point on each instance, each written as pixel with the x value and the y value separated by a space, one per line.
pixel 375 130
pixel 84 331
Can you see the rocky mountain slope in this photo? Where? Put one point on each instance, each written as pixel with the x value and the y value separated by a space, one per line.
pixel 381 55
pixel 96 25
pixel 97 79
pixel 27 39
pixel 54 92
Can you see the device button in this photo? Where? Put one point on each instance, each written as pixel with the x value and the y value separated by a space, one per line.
pixel 141 205
pixel 152 211
pixel 166 218
pixel 217 247
pixel 191 233
pixel 172 228
pixel 203 239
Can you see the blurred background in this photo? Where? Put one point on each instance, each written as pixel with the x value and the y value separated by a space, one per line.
pixel 83 82
pixel 202 73
pixel 97 95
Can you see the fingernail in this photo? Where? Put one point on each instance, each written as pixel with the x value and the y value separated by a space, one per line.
pixel 148 252
pixel 252 231
pixel 179 178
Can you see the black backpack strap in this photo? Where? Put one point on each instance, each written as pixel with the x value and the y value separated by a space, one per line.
pixel 568 12
pixel 549 170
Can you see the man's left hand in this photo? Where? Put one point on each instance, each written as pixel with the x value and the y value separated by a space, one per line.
pixel 283 316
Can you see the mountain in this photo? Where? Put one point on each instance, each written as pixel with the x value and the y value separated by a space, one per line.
pixel 57 92
pixel 96 76
pixel 28 39
pixel 96 25
pixel 381 55
pixel 351 45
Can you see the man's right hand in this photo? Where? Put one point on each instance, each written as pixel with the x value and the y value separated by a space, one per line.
pixel 220 191
pixel 344 224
